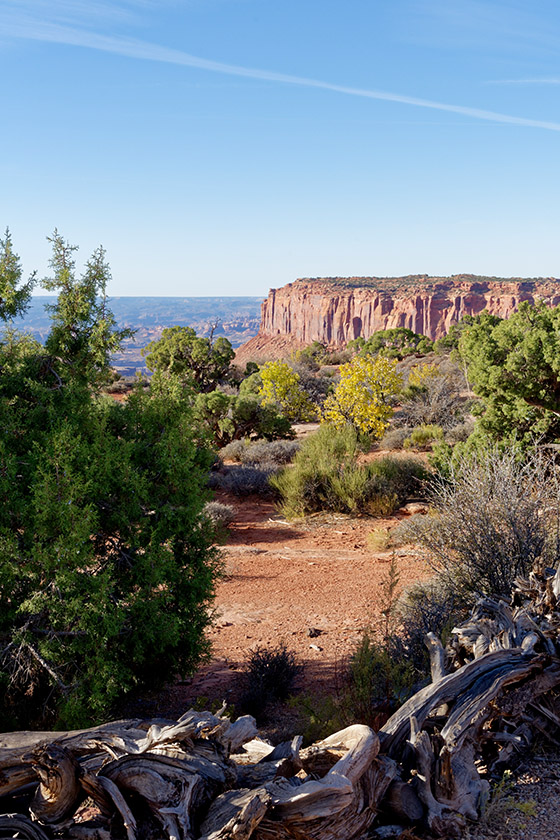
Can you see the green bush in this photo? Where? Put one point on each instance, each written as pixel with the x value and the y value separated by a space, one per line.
pixel 379 682
pixel 226 418
pixel 106 562
pixel 423 437
pixel 326 476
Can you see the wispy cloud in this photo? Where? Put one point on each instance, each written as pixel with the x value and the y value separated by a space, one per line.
pixel 545 81
pixel 72 12
pixel 28 27
pixel 510 25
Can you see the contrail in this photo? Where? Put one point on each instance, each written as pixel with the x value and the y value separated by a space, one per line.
pixel 133 48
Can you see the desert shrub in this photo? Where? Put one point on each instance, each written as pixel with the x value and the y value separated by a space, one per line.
pixel 312 356
pixel 317 386
pixel 234 451
pixel 379 539
pixel 227 388
pixel 269 452
pixel 460 432
pixel 435 399
pixel 326 476
pixel 403 476
pixel 257 453
pixel 220 515
pixel 394 438
pixel 404 532
pixel 244 481
pixel 125 384
pixel 422 437
pixel 495 515
pixel 378 681
pixel 338 357
pixel 269 676
pixel 431 605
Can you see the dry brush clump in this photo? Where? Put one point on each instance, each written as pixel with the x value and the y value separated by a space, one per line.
pixel 269 676
pixel 494 516
pixel 436 399
pixel 244 481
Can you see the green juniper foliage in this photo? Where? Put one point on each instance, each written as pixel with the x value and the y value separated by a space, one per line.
pixel 14 296
pixel 106 561
pixel 83 334
pixel 198 361
pixel 514 367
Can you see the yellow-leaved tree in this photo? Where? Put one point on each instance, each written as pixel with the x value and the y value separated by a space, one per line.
pixel 282 390
pixel 363 396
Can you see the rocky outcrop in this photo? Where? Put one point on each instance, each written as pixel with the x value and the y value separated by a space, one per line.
pixel 336 310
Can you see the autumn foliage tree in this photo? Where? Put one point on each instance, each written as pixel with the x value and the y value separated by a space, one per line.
pixel 363 398
pixel 281 389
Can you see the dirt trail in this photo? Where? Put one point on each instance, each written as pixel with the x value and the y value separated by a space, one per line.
pixel 315 585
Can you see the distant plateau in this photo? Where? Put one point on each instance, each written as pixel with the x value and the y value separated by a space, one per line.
pixel 236 318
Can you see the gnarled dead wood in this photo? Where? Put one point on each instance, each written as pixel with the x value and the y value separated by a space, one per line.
pixel 58 794
pixel 204 778
pixel 17 825
pixel 235 815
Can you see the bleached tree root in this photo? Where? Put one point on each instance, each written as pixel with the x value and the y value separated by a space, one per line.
pixel 204 778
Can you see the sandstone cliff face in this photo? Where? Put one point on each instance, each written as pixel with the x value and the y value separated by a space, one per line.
pixel 337 310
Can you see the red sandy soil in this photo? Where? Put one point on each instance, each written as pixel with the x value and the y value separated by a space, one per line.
pixel 284 579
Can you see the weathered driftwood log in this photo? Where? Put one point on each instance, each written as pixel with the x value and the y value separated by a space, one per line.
pixel 204 778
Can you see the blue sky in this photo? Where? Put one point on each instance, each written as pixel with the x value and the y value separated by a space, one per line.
pixel 229 146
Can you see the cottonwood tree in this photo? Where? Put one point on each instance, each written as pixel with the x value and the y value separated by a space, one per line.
pixel 363 397
pixel 281 389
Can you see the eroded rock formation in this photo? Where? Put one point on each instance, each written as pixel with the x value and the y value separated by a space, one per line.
pixel 335 310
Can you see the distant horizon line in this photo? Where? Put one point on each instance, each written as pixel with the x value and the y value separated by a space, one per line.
pixel 175 297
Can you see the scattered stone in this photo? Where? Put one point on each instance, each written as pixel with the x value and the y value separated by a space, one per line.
pixel 414 508
pixel 315 647
pixel 313 632
pixel 385 832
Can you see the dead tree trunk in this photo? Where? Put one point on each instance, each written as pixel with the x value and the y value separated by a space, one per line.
pixel 204 778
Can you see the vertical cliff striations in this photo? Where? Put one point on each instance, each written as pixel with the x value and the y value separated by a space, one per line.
pixel 335 310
